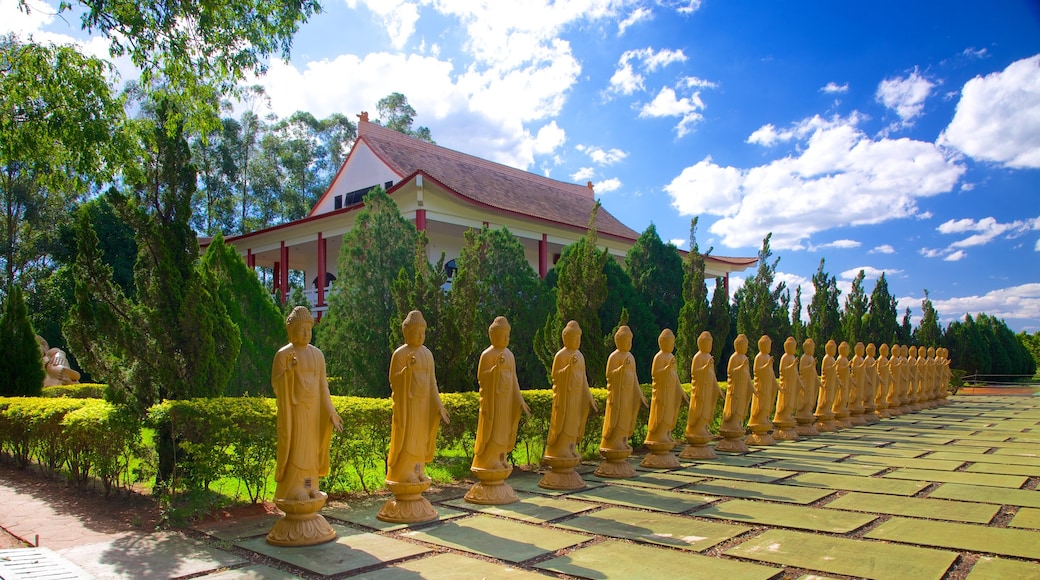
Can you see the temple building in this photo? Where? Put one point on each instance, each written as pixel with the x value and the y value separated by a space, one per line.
pixel 444 193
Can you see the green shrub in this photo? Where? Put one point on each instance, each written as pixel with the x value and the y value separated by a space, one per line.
pixel 76 391
pixel 102 440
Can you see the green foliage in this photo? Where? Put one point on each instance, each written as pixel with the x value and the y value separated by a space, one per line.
pixel 984 345
pixel 928 332
pixel 694 314
pixel 101 440
pixel 75 391
pixel 880 323
pixel 395 113
pixel 581 289
pixel 1031 342
pixel 260 323
pixel 855 310
pixel 759 306
pixel 623 300
pixel 356 331
pixel 824 317
pixel 719 319
pixel 904 333
pixel 21 365
pixel 656 271
pixel 797 327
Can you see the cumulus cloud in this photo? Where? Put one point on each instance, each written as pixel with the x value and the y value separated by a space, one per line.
pixel 638 15
pixel 905 95
pixel 678 242
pixel 398 17
pixel 668 104
pixel 583 174
pixel 633 65
pixel 981 232
pixel 869 272
pixel 833 88
pixel 1020 302
pixel 998 117
pixel 607 185
pixel 839 177
pixel 955 256
pixel 883 249
pixel 839 244
pixel 602 156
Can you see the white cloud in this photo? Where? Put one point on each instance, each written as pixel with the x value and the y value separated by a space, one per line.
pixel 1016 302
pixel 839 244
pixel 607 185
pixel 833 88
pixel 972 52
pixel 998 117
pixel 883 249
pixel 634 64
pixel 768 135
pixel 955 256
pixel 869 273
pixel 397 16
pixel 982 232
pixel 678 242
pixel 905 95
pixel 601 156
pixel 839 177
pixel 667 104
pixel 687 6
pixel 583 174
pixel 550 138
pixel 638 15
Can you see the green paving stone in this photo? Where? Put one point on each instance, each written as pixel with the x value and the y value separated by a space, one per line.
pixel 238 528
pixel 936 464
pixel 254 572
pixel 825 467
pixel 652 499
pixel 851 448
pixel 531 508
pixel 936 509
pixel 652 480
pixel 853 483
pixel 758 474
pixel 667 530
pixel 749 460
pixel 614 559
pixel 1026 518
pixel 922 439
pixel 970 445
pixel 985 458
pixel 845 556
pixel 984 494
pixel 1016 452
pixel 350 551
pixel 1027 470
pixel 1010 481
pixel 498 538
pixel 786 516
pixel 780 453
pixel 1021 543
pixel 450 567
pixel 988 568
pixel 762 491
pixel 363 513
pixel 528 482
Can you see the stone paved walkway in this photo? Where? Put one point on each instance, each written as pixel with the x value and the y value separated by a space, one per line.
pixel 942 493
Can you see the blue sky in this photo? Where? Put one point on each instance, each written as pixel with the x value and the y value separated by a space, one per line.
pixel 901 137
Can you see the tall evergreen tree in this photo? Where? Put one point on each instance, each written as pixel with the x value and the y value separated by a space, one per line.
pixel 881 324
pixel 694 314
pixel 760 309
pixel 797 326
pixel 622 296
pixel 905 333
pixel 657 275
pixel 581 289
pixel 928 332
pixel 450 340
pixel 21 365
pixel 719 325
pixel 855 310
pixel 356 332
pixel 260 322
pixel 824 317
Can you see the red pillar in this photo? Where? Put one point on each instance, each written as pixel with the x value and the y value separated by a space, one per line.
pixel 725 284
pixel 283 280
pixel 543 256
pixel 276 275
pixel 420 220
pixel 250 258
pixel 322 246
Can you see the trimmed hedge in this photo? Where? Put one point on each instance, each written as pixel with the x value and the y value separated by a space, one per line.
pixel 76 391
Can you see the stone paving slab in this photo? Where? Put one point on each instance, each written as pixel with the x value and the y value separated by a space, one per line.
pixel 155 555
pixel 1026 518
pixel 936 509
pixel 825 467
pixel 759 474
pixel 918 439
pixel 654 528
pixel 853 449
pixel 911 462
pixel 1007 542
pixel 973 443
pixel 989 479
pixel 363 513
pixel 1027 470
pixel 761 491
pixel 450 567
pixel 853 483
pixel 614 559
pixel 253 572
pixel 845 556
pixel 988 568
pixel 651 499
pixel 531 508
pixel 781 453
pixel 528 482
pixel 747 460
pixel 1016 452
pixel 985 494
pixel 786 516
pixel 652 480
pixel 352 550
pixel 498 538
pixel 986 458
pixel 239 528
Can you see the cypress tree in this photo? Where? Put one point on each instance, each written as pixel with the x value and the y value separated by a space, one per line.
pixel 21 364
pixel 656 270
pixel 693 316
pixel 855 310
pixel 824 318
pixel 719 320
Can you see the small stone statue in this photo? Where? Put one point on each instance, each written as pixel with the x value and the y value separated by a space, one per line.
pixel 764 398
pixel 664 406
pixel 884 381
pixel 738 398
pixel 809 381
pixel 828 390
pixel 418 412
pixel 56 365
pixel 305 421
pixel 623 399
pixel 841 399
pixel 500 406
pixel 857 385
pixel 704 394
pixel 572 400
pixel 870 385
pixel 914 379
pixel 787 396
